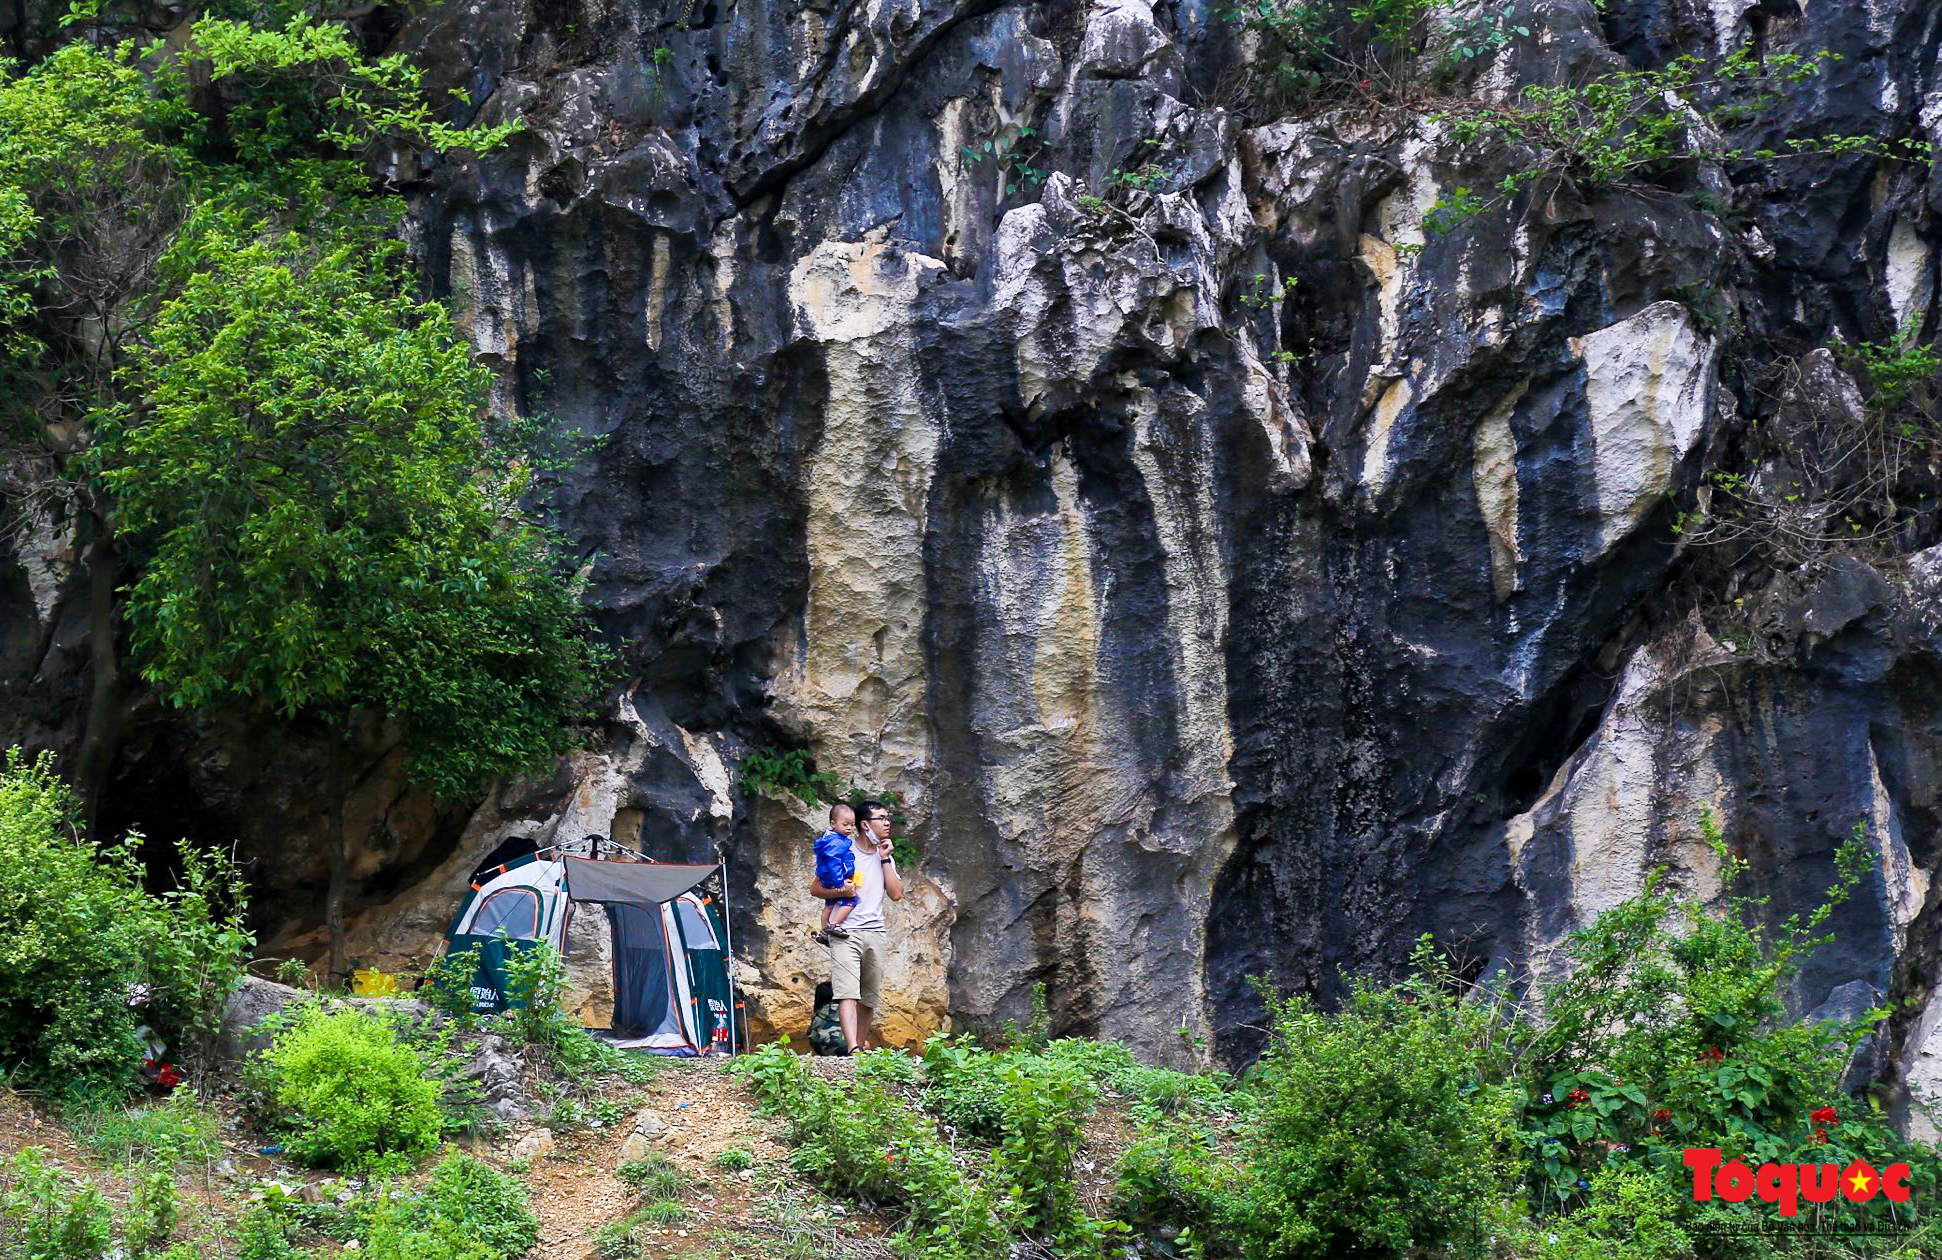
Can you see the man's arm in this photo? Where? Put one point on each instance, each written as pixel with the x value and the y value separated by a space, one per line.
pixel 816 889
pixel 893 883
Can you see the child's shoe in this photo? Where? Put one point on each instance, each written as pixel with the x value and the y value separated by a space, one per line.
pixel 837 932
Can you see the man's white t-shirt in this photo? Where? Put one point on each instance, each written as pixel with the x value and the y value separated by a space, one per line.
pixel 867 914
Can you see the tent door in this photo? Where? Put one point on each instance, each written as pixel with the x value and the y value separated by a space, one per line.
pixel 645 990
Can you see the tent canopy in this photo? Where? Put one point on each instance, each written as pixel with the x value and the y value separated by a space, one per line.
pixel 637 883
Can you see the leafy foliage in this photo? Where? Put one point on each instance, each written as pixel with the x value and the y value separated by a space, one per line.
pixel 864 1143
pixel 308 478
pixel 1386 49
pixel 479 1202
pixel 1371 1130
pixel 1632 125
pixel 1672 1031
pixel 352 1092
pixel 47 1215
pixel 80 936
pixel 794 771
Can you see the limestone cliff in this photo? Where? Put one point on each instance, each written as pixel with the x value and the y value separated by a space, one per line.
pixel 1209 627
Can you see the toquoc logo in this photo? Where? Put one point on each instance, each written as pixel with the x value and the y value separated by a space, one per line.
pixel 1788 1184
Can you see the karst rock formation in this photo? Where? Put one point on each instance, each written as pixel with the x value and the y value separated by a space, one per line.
pixel 1210 628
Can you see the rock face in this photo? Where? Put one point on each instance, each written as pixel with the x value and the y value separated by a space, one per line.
pixel 1208 627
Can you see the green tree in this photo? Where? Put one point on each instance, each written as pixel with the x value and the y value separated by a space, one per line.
pixel 276 456
pixel 320 525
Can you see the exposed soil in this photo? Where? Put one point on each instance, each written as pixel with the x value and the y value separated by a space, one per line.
pixel 763 1212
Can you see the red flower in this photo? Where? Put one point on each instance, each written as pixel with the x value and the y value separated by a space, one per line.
pixel 1824 1116
pixel 1820 1136
pixel 1713 1055
pixel 1575 1097
pixel 1661 1116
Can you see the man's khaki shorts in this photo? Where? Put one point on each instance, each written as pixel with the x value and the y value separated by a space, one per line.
pixel 856 967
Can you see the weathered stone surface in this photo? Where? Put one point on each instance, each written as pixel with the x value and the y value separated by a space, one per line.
pixel 1208 629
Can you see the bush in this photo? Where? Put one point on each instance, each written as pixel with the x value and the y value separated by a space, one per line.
pixel 151 1213
pixel 46 1215
pixel 482 1203
pixel 1673 1031
pixel 353 1093
pixel 1386 49
pixel 88 955
pixel 399 1232
pixel 863 1143
pixel 1371 1131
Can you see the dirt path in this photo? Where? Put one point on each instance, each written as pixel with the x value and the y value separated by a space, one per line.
pixel 690 1113
pixel 705 1112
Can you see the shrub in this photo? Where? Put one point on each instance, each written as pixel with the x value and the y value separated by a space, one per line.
pixel 151 1213
pixel 964 1089
pixel 535 983
pixel 479 1202
pixel 863 1143
pixel 401 1232
pixel 46 1214
pixel 1630 1216
pixel 735 1159
pixel 1372 1130
pixel 352 1092
pixel 1388 49
pixel 1673 1031
pixel 87 954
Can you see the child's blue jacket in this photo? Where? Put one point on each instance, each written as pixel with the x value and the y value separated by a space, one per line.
pixel 835 863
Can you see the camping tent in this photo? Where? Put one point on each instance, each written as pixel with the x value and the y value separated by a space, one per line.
pixel 672 990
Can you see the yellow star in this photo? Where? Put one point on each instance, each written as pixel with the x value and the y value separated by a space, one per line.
pixel 1860 1181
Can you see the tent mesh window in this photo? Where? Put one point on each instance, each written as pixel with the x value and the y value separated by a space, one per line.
pixel 699 933
pixel 514 911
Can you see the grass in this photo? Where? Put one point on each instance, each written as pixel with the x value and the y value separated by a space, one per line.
pixel 734 1159
pixel 654 1176
pixel 179 1131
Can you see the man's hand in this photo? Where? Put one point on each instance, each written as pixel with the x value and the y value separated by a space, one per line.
pixel 885 848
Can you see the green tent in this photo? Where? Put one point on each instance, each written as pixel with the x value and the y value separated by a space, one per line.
pixel 673 993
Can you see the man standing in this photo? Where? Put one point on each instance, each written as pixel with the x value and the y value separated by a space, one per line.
pixel 856 961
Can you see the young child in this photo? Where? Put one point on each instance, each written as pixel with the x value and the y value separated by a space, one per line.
pixel 836 868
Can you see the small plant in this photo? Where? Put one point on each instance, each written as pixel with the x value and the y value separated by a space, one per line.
pixel 663 1212
pixel 291 971
pixel 178 1131
pixel 1260 294
pixel 604 1113
pixel 151 1213
pixel 791 771
pixel 1007 152
pixel 481 1203
pixel 88 954
pixel 652 1177
pixel 794 772
pixel 448 985
pixel 735 1159
pixel 48 1215
pixel 353 1093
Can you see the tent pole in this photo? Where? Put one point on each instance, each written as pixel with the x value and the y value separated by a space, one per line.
pixel 728 935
